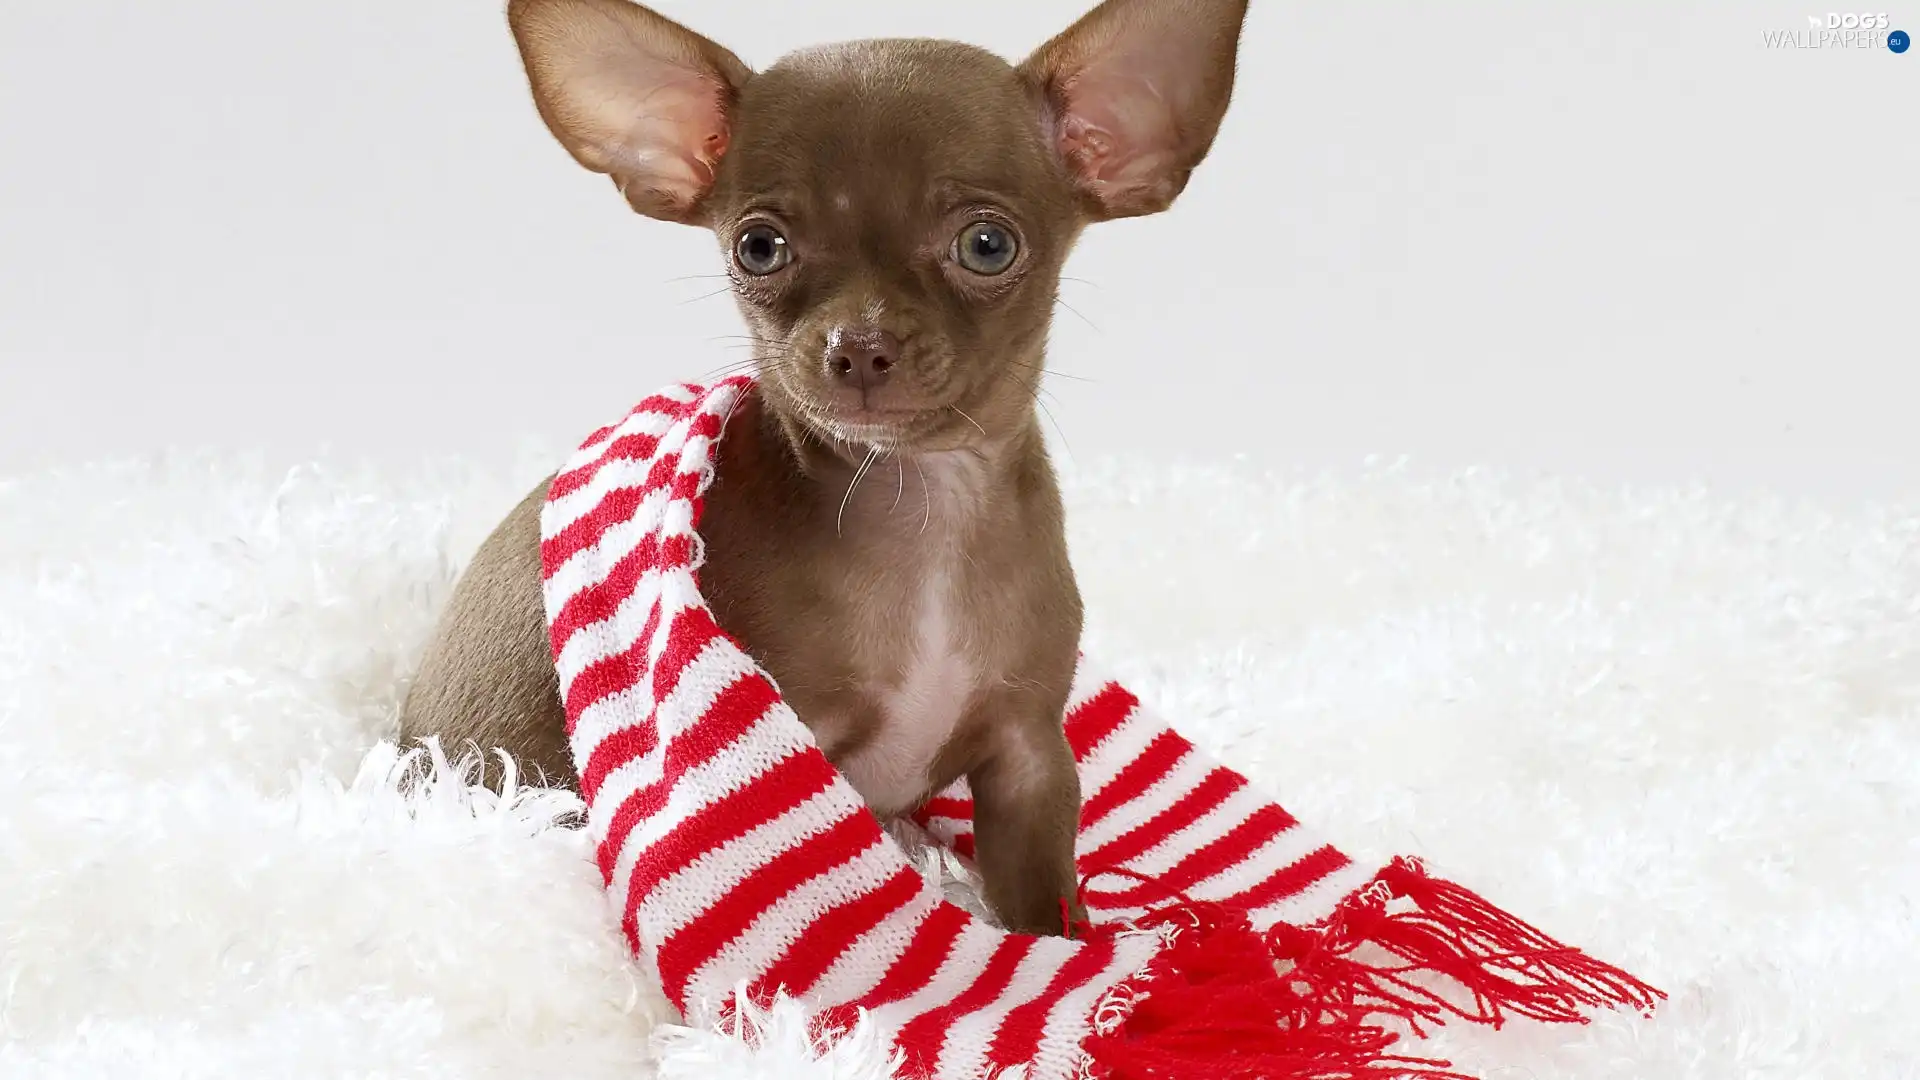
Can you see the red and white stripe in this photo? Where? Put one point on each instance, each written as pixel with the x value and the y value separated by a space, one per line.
pixel 735 853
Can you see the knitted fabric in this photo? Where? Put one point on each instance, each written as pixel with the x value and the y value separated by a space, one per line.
pixel 1225 938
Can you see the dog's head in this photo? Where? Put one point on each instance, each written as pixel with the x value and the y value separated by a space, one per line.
pixel 894 214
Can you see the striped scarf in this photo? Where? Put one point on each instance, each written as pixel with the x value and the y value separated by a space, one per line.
pixel 1224 938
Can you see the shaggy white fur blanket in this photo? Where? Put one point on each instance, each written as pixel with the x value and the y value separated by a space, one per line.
pixel 1680 731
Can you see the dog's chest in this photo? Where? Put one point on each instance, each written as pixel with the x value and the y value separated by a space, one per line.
pixel 917 711
pixel 928 673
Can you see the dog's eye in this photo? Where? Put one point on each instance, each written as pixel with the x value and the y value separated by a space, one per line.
pixel 985 248
pixel 761 250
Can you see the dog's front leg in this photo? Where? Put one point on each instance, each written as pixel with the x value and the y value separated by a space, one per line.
pixel 1026 819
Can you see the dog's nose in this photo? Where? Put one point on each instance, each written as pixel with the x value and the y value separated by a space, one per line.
pixel 861 356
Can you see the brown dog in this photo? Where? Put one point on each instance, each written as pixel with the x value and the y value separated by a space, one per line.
pixel 885 532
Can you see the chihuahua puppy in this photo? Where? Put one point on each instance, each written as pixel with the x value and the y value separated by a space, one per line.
pixel 884 534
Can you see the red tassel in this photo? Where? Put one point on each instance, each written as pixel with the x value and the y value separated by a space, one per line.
pixel 1216 1007
pixel 1506 965
pixel 1226 1002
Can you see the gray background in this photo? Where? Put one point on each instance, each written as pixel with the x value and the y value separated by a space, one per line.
pixel 1620 241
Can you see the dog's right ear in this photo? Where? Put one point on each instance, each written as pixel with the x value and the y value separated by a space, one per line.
pixel 631 94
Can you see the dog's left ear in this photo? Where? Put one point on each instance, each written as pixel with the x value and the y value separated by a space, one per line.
pixel 1134 93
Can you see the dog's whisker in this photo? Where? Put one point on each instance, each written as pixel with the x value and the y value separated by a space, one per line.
pixel 1079 316
pixel 840 518
pixel 1043 369
pixel 757 342
pixel 926 498
pixel 762 358
pixel 969 419
pixel 706 296
pixel 768 363
pixel 1058 431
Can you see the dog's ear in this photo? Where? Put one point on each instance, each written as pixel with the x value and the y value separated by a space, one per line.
pixel 1134 93
pixel 632 94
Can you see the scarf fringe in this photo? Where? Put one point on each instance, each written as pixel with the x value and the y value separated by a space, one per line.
pixel 1227 1002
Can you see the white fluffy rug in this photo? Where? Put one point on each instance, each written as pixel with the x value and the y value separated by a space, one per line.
pixel 1681 732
